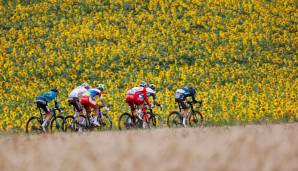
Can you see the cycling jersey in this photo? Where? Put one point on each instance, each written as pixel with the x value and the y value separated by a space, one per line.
pixel 151 93
pixel 88 97
pixel 184 92
pixel 77 92
pixel 92 93
pixel 47 97
pixel 138 95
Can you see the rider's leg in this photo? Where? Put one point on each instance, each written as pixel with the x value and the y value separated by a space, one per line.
pixel 185 112
pixel 140 112
pixel 133 113
pixel 96 111
pixel 130 100
pixel 46 109
pixel 145 116
pixel 78 108
pixel 47 119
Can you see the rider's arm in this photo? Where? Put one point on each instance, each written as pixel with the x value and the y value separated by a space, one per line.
pixel 154 99
pixel 146 98
pixel 156 103
pixel 102 101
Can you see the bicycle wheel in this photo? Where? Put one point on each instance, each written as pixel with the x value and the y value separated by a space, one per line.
pixel 196 119
pixel 125 122
pixel 34 125
pixel 156 121
pixel 81 122
pixel 174 120
pixel 70 124
pixel 57 124
pixel 105 122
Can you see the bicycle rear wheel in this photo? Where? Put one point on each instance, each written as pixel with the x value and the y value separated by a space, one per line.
pixel 57 124
pixel 196 119
pixel 105 122
pixel 34 125
pixel 156 121
pixel 70 124
pixel 125 122
pixel 174 120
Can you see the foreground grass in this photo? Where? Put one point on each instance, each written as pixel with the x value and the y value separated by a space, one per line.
pixel 254 147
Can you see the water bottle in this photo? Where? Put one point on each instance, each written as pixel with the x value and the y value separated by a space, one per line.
pixel 99 113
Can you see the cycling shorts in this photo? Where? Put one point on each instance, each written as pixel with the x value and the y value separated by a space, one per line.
pixel 182 103
pixel 87 101
pixel 134 99
pixel 75 102
pixel 43 105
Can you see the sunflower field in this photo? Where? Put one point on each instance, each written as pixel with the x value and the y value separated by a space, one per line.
pixel 241 55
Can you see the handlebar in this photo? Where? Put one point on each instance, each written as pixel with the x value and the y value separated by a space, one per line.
pixel 200 102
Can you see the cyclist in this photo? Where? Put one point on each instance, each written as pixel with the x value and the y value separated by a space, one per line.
pixel 88 101
pixel 137 96
pixel 75 96
pixel 42 102
pixel 151 93
pixel 181 98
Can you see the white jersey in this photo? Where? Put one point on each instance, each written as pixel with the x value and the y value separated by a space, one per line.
pixel 135 90
pixel 150 92
pixel 180 94
pixel 77 92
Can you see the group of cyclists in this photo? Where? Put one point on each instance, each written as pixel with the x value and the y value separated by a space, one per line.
pixel 83 98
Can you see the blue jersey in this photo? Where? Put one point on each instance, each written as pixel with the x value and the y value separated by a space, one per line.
pixel 92 93
pixel 48 96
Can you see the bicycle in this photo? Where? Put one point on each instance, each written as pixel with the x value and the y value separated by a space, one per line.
pixel 195 117
pixel 56 122
pixel 127 121
pixel 73 124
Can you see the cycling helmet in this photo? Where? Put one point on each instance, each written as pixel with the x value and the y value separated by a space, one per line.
pixel 86 85
pixel 152 86
pixel 143 84
pixel 100 87
pixel 54 89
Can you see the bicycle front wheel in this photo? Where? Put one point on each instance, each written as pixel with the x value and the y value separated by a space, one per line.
pixel 196 119
pixel 125 122
pixel 70 124
pixel 57 124
pixel 34 125
pixel 156 121
pixel 175 120
pixel 105 122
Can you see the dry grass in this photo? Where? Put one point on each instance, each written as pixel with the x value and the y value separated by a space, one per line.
pixel 272 147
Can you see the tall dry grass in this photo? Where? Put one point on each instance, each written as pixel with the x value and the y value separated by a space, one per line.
pixel 271 147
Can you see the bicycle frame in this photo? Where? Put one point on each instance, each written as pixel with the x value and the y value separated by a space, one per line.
pixel 190 104
pixel 88 122
pixel 52 111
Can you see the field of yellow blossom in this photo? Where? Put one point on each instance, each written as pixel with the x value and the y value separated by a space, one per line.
pixel 240 55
